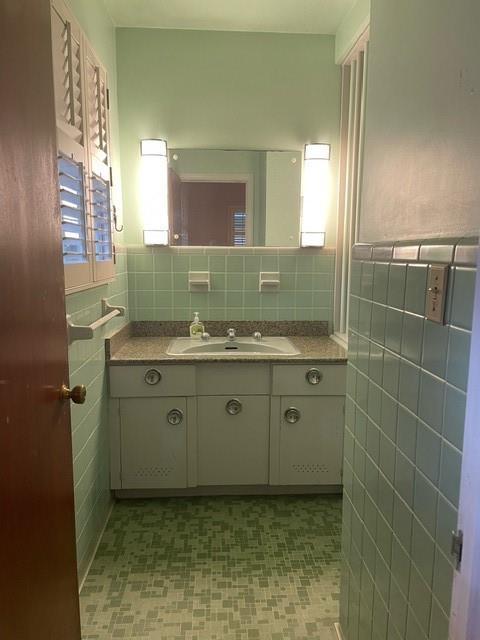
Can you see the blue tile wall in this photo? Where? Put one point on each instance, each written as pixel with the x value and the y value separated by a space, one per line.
pixel 405 411
pixel 90 420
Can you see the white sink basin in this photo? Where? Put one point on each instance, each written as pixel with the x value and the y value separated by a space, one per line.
pixel 236 347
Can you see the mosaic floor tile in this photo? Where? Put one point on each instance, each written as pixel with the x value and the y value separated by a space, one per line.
pixel 220 568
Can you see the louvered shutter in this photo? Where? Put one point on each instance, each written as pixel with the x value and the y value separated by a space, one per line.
pixel 96 81
pixel 67 73
pixel 72 208
pixel 68 76
pixel 99 163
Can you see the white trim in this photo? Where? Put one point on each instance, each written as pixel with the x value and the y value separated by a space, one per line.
pixel 465 609
pixel 341 339
pixel 246 178
pixel 358 44
pixel 94 552
pixel 338 629
pixel 354 73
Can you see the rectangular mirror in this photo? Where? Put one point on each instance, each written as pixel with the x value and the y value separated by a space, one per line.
pixel 234 198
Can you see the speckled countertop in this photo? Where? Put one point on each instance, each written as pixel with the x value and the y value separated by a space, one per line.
pixel 152 350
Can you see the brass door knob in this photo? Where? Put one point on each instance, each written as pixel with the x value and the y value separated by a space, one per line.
pixel 77 395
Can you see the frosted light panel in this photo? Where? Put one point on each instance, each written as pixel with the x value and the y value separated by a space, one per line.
pixel 153 147
pixel 312 239
pixel 154 192
pixel 317 152
pixel 316 193
pixel 155 238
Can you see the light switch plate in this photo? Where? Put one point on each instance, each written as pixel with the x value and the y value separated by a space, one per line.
pixel 436 292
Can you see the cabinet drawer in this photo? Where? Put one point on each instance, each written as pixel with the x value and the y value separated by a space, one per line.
pixel 233 378
pixel 131 382
pixel 294 380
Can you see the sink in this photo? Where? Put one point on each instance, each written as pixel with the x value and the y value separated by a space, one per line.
pixel 236 347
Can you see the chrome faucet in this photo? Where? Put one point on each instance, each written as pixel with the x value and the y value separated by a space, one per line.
pixel 231 334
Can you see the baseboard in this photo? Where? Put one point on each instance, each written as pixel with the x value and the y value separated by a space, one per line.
pixel 95 549
pixel 338 629
pixel 232 490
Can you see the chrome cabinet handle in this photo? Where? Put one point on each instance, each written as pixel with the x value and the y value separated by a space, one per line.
pixel 233 407
pixel 314 376
pixel 175 416
pixel 152 376
pixel 292 415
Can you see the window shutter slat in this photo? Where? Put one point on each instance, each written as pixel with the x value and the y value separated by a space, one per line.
pixel 97 111
pixel 72 207
pixel 102 227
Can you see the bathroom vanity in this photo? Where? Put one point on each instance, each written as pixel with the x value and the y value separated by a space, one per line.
pixel 204 424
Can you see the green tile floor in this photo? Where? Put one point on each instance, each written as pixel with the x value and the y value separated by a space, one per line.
pixel 220 568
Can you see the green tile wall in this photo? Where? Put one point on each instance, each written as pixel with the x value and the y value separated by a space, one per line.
pixel 405 411
pixel 90 421
pixel 158 284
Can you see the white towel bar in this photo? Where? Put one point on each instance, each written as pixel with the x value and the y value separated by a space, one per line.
pixel 85 332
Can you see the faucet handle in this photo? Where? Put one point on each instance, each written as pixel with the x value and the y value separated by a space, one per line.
pixel 257 335
pixel 231 333
pixel 205 336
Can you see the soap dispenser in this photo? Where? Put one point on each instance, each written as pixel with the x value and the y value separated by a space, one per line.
pixel 197 327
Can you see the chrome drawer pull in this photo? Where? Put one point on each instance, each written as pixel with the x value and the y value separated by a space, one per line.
pixel 153 376
pixel 314 376
pixel 292 415
pixel 233 407
pixel 175 416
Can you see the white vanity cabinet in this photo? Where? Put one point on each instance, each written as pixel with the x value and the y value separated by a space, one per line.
pixel 233 417
pixel 233 440
pixel 201 427
pixel 306 429
pixel 151 418
pixel 153 442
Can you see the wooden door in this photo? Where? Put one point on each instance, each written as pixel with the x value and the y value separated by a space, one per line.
pixel 38 579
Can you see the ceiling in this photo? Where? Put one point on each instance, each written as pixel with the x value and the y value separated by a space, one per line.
pixel 277 16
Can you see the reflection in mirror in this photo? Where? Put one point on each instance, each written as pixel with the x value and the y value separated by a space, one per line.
pixel 234 198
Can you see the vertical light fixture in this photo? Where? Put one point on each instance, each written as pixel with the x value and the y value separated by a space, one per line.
pixel 316 186
pixel 154 191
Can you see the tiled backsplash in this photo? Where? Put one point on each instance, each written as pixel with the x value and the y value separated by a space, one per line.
pixel 405 411
pixel 90 420
pixel 158 284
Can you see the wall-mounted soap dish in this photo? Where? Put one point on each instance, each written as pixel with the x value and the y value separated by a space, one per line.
pixel 199 281
pixel 269 281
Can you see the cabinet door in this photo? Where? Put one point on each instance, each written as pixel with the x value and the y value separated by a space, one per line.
pixel 310 449
pixel 233 447
pixel 153 451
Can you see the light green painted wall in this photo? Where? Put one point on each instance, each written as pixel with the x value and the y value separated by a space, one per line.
pixel 87 359
pixel 352 26
pixel 422 148
pixel 224 90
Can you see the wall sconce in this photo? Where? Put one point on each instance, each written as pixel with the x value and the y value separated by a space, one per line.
pixel 154 191
pixel 316 186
